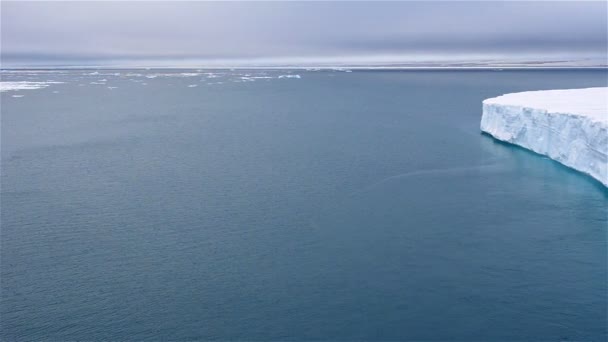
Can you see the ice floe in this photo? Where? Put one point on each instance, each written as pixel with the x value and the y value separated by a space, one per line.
pixel 569 126
pixel 24 85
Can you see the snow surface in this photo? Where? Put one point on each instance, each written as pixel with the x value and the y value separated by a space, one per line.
pixel 569 126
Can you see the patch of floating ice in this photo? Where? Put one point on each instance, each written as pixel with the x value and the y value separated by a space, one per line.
pixel 112 87
pixel 17 95
pixel 192 85
pixel 97 73
pixel 183 74
pixel 289 76
pixel 247 78
pixel 24 85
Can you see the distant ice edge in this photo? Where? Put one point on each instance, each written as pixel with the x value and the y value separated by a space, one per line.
pixel 575 140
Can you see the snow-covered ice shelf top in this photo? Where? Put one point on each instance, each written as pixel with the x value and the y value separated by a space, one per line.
pixel 590 102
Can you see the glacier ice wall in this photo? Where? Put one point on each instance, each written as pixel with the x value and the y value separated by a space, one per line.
pixel 575 138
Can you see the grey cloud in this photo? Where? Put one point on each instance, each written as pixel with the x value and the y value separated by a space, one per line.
pixel 111 32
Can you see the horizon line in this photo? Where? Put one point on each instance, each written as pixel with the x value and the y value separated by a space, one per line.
pixel 307 68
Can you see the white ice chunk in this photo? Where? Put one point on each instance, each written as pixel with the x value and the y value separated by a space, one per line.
pixel 24 85
pixel 569 126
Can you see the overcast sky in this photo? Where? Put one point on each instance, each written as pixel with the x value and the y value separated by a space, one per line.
pixel 297 32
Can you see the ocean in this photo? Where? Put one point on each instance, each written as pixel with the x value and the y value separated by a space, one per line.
pixel 290 205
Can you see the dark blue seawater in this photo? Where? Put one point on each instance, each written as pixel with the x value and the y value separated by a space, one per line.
pixel 366 205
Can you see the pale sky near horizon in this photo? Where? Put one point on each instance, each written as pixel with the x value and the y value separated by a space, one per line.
pixel 112 33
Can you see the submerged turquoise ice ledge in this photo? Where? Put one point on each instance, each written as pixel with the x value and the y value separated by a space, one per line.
pixel 569 126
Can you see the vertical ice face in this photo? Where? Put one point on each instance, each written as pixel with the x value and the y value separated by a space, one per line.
pixel 570 126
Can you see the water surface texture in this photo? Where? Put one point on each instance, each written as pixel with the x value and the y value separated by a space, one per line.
pixel 290 205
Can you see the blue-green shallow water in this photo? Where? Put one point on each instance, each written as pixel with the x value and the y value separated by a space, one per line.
pixel 336 206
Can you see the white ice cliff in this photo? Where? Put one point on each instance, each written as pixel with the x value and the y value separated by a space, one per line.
pixel 569 126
